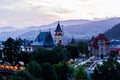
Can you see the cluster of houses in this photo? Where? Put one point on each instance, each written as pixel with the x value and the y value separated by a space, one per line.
pixel 99 45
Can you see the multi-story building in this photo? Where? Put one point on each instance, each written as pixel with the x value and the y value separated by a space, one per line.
pixel 100 46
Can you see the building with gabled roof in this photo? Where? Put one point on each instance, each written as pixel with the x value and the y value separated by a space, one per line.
pixel 100 45
pixel 44 39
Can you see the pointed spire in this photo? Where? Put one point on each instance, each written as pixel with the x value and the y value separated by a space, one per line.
pixel 58 29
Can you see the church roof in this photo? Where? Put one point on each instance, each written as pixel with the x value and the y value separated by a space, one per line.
pixel 58 28
pixel 44 39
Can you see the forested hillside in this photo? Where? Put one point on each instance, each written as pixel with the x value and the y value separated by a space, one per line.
pixel 113 33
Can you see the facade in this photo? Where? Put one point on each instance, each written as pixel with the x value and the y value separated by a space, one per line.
pixel 58 35
pixel 25 45
pixel 44 39
pixel 100 45
pixel 115 45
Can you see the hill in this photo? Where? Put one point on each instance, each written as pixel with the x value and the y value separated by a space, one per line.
pixel 113 33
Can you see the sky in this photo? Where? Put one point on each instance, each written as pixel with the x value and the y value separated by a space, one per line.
pixel 24 13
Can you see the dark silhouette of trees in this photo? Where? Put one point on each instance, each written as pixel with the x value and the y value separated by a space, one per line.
pixel 24 56
pixel 83 47
pixel 35 70
pixel 75 50
pixel 47 56
pixel 48 72
pixel 63 70
pixel 81 74
pixel 11 50
pixel 22 75
pixel 109 70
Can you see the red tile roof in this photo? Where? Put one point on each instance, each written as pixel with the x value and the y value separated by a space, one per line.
pixel 99 37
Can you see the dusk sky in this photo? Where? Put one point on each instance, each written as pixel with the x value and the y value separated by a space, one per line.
pixel 24 13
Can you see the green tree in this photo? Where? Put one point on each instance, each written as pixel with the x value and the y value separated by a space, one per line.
pixel 35 70
pixel 83 47
pixel 22 75
pixel 10 50
pixel 48 72
pixel 80 74
pixel 47 56
pixel 109 70
pixel 62 70
pixel 24 56
pixel 73 50
pixel 60 53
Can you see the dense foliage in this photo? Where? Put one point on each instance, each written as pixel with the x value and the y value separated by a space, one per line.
pixel 80 74
pixel 109 70
pixel 35 70
pixel 63 71
pixel 11 50
pixel 48 56
pixel 77 49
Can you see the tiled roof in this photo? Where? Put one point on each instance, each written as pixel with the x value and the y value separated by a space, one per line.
pixel 99 37
pixel 58 29
pixel 44 39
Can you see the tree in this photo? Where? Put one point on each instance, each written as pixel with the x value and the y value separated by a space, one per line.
pixel 24 56
pixel 83 47
pixel 22 75
pixel 35 70
pixel 80 74
pixel 73 50
pixel 62 70
pixel 109 70
pixel 10 50
pixel 47 56
pixel 48 72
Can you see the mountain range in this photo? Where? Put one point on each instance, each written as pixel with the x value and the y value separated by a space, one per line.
pixel 79 29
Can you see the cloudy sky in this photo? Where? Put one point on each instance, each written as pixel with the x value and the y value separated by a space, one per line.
pixel 24 13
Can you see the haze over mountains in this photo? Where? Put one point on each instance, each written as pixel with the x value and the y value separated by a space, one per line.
pixel 80 29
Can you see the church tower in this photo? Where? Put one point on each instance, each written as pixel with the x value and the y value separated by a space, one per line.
pixel 58 35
